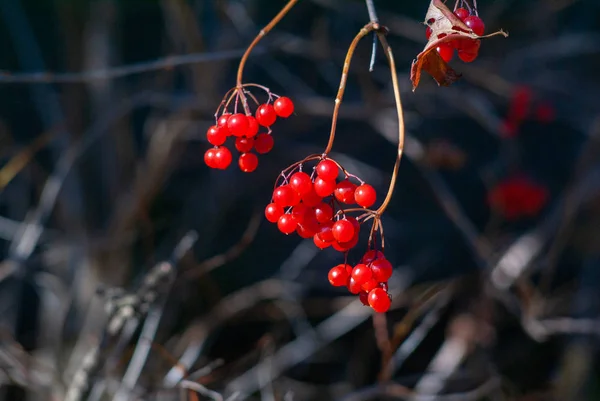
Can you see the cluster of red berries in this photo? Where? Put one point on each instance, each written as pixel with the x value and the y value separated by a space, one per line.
pixel 467 49
pixel 520 109
pixel 244 128
pixel 310 205
pixel 517 197
pixel 368 279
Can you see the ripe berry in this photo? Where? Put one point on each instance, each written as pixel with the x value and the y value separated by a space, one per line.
pixel 284 196
pixel 308 227
pixel 301 212
pixel 371 255
pixel 345 246
pixel 263 143
pixel 355 224
pixel 343 231
pixel 371 284
pixel 323 212
pixel 237 124
pixel 311 199
pixel 324 188
pixel 252 127
pixel 353 286
pixel 319 242
pixel 222 122
pixel 301 182
pixel 364 298
pixel 344 191
pixel 248 162
pixel 284 107
pixel 382 269
pixel 379 300
pixel 327 170
pixel 361 273
pixel 286 224
pixel 446 51
pixel 243 144
pixel 476 24
pixel 365 195
pixel 216 135
pixel 325 233
pixel 338 277
pixel 461 13
pixel 265 115
pixel 273 212
pixel 468 49
pixel 222 157
pixel 209 158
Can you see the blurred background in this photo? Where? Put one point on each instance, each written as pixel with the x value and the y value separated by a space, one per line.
pixel 131 271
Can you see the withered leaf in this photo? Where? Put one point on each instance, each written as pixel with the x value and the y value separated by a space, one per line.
pixel 445 27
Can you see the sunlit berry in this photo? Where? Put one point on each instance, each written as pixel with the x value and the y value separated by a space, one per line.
pixel 284 107
pixel 379 300
pixel 216 135
pixel 263 143
pixel 365 195
pixel 248 162
pixel 237 124
pixel 273 211
pixel 265 115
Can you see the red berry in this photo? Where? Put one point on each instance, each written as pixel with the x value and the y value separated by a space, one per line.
pixel 319 242
pixel 325 233
pixel 252 127
pixel 461 13
pixel 301 212
pixel 371 255
pixel 222 157
pixel 369 285
pixel 323 212
pixel 428 33
pixel 301 182
pixel 265 115
pixel 353 286
pixel 311 199
pixel 364 298
pixel 248 162
pixel 273 212
pixel 338 277
pixel 308 227
pixel 284 107
pixel 446 51
pixel 263 143
pixel 324 188
pixel 243 144
pixel 468 50
pixel 237 124
pixel 365 195
pixel 222 122
pixel 284 196
pixel 216 135
pixel 344 192
pixel 343 231
pixel 476 24
pixel 467 57
pixel 379 300
pixel 286 224
pixel 327 169
pixel 382 270
pixel 209 158
pixel 345 246
pixel 361 273
pixel 355 224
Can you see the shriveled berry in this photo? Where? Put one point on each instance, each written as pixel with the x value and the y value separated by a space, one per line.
pixel 343 231
pixel 353 286
pixel 284 196
pixel 338 277
pixel 273 212
pixel 371 284
pixel 222 157
pixel 311 198
pixel 286 224
pixel 252 127
pixel 243 144
pixel 216 135
pixel 222 122
pixel 248 162
pixel 365 195
pixel 301 182
pixel 323 212
pixel 364 298
pixel 382 269
pixel 361 273
pixel 263 143
pixel 446 51
pixel 327 169
pixel 320 243
pixel 476 24
pixel 284 107
pixel 209 158
pixel 461 13
pixel 323 187
pixel 371 255
pixel 344 191
pixel 237 124
pixel 265 115
pixel 379 300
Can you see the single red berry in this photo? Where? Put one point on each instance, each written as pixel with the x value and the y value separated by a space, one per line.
pixel 365 195
pixel 364 298
pixel 301 182
pixel 345 246
pixel 343 231
pixel 461 13
pixel 323 187
pixel 222 121
pixel 446 51
pixel 273 212
pixel 344 191
pixel 308 228
pixel 379 300
pixel 476 24
pixel 323 212
pixel 237 124
pixel 371 284
pixel 243 144
pixel 301 212
pixel 286 224
pixel 338 277
pixel 362 273
pixel 428 32
pixel 265 115
pixel 248 162
pixel 319 242
pixel 209 158
pixel 284 107
pixel 371 255
pixel 284 196
pixel 382 270
pixel 216 135
pixel 263 143
pixel 311 199
pixel 252 127
pixel 222 157
pixel 466 57
pixel 327 169
pixel 325 233
pixel 353 286
pixel 468 50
